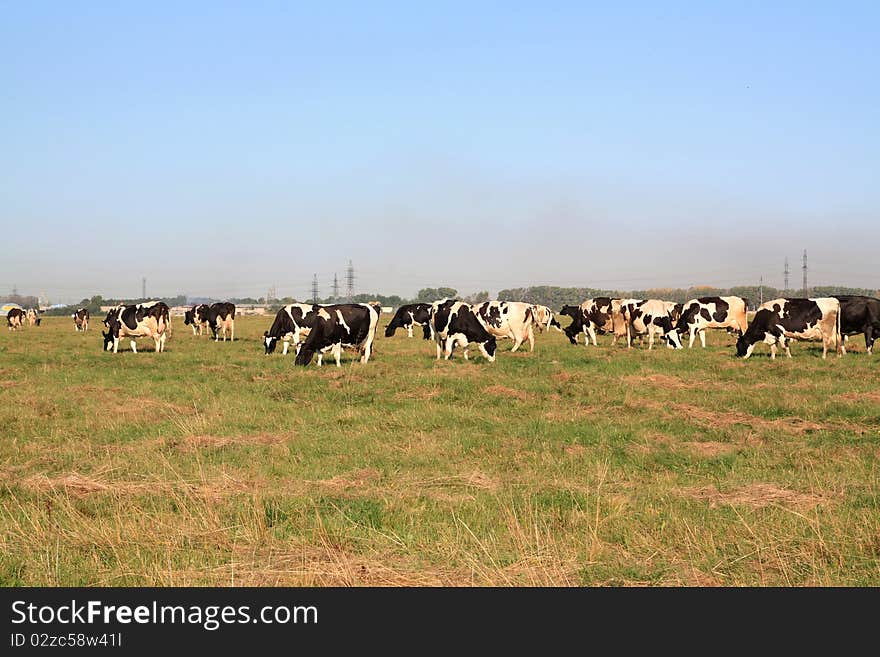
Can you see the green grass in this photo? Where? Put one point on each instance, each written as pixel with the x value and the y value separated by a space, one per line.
pixel 212 464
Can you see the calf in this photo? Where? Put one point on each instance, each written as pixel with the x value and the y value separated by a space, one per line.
pixel 508 319
pixel 712 313
pixel 455 322
pixel 413 314
pixel 651 317
pixel 859 315
pixel 292 324
pixel 780 320
pixel 14 318
pixel 544 319
pixel 150 319
pixel 81 319
pixel 337 326
pixel 197 318
pixel 221 319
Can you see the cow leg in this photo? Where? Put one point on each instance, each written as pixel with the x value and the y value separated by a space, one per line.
pixel 439 350
pixel 115 345
pixel 232 338
pixel 693 335
pixel 320 359
pixel 133 344
pixel 703 338
pixel 773 351
pixel 869 340
pixel 517 341
pixel 409 331
pixel 337 354
pixel 368 349
pixel 590 334
pixel 531 339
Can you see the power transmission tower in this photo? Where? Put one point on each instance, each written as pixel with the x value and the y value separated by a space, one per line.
pixel 271 295
pixel 806 289
pixel 335 287
pixel 785 288
pixel 314 288
pixel 349 280
pixel 144 288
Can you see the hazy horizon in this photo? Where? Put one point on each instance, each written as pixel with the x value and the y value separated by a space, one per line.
pixel 220 150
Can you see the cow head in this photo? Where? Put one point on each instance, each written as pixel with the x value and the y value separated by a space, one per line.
pixel 109 339
pixel 673 339
pixel 269 342
pixel 744 346
pixel 189 318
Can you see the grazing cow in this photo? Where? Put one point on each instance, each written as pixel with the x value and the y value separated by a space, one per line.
pixel 859 315
pixel 599 315
pixel 81 319
pixel 292 324
pixel 31 316
pixel 544 319
pixel 651 317
pixel 780 320
pixel 411 315
pixel 197 317
pixel 221 319
pixel 455 322
pixel 508 319
pixel 14 318
pixel 712 313
pixel 337 326
pixel 149 319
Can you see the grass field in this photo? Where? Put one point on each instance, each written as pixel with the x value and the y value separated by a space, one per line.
pixel 212 464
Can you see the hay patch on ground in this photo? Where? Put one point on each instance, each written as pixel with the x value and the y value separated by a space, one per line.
pixel 756 495
pixel 504 391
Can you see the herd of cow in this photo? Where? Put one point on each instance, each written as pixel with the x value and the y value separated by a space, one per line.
pixel 316 329
pixel 16 318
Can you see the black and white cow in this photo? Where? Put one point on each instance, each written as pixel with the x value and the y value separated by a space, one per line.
pixel 508 319
pixel 456 323
pixel 859 315
pixel 712 313
pixel 651 317
pixel 221 319
pixel 81 319
pixel 14 318
pixel 413 314
pixel 337 326
pixel 544 318
pixel 197 318
pixel 31 315
pixel 292 324
pixel 779 321
pixel 599 315
pixel 141 320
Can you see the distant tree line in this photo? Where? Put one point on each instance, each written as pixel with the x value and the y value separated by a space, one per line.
pixel 546 295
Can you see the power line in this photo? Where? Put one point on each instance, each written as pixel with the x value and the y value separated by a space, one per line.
pixel 349 280
pixel 806 289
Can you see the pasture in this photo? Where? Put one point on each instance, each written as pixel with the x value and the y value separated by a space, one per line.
pixel 212 464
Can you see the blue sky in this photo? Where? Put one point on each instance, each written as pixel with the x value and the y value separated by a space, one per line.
pixel 220 148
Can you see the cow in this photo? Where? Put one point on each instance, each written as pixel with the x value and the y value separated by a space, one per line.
pixel 712 313
pixel 508 319
pixel 81 319
pixel 779 321
pixel 14 318
pixel 456 323
pixel 651 317
pixel 337 326
pixel 859 314
pixel 411 315
pixel 292 324
pixel 221 319
pixel 598 315
pixel 148 319
pixel 545 319
pixel 197 318
pixel 31 316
